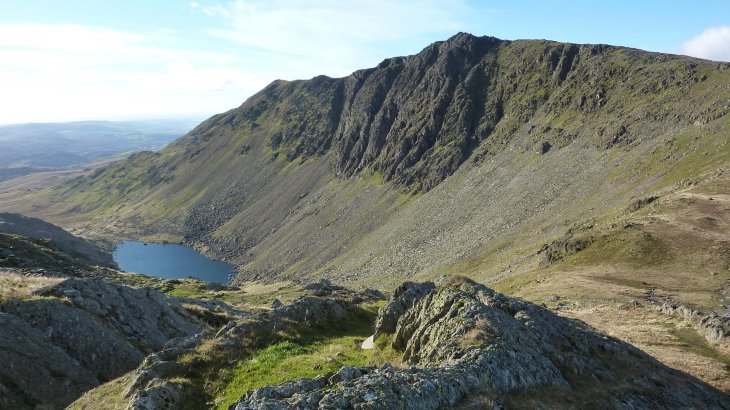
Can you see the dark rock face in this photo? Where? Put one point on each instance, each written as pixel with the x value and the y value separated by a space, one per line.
pixel 88 332
pixel 414 119
pixel 466 342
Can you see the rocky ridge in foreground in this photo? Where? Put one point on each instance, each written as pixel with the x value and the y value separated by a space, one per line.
pixel 78 334
pixel 469 346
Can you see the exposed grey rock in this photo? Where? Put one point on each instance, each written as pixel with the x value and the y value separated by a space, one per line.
pixel 149 389
pixel 87 332
pixel 97 347
pixel 714 326
pixel 468 344
pixel 325 288
pixel 567 245
pixel 34 372
pixel 305 310
pixel 158 395
pixel 403 298
pixel 146 316
pixel 211 305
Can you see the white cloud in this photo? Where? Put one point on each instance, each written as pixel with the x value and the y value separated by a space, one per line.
pixel 212 62
pixel 334 37
pixel 71 72
pixel 712 44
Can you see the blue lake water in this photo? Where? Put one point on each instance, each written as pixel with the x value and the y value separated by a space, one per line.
pixel 169 261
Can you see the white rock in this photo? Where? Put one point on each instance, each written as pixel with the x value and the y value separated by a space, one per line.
pixel 369 343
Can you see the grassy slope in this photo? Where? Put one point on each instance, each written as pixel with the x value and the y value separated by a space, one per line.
pixel 675 248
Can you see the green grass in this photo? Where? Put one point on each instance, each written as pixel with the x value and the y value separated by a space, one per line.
pixel 289 360
pixel 219 374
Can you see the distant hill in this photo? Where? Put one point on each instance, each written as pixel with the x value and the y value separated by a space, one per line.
pixel 28 148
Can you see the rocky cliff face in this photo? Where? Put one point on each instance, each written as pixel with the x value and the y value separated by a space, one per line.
pixel 78 334
pixel 416 119
pixel 470 347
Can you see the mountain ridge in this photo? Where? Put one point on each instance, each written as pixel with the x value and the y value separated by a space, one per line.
pixel 285 185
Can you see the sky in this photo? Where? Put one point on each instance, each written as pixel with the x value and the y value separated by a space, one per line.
pixel 135 59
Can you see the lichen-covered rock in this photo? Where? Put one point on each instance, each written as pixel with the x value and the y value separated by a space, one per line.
pixel 714 325
pixel 149 388
pixel 158 395
pixel 403 298
pixel 305 310
pixel 469 344
pixel 325 288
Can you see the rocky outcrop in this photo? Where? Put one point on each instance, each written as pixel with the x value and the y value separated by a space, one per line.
pixel 403 299
pixel 714 326
pixel 302 311
pixel 149 390
pixel 80 333
pixel 86 337
pixel 145 316
pixel 559 248
pixel 325 288
pixel 640 203
pixel 464 342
